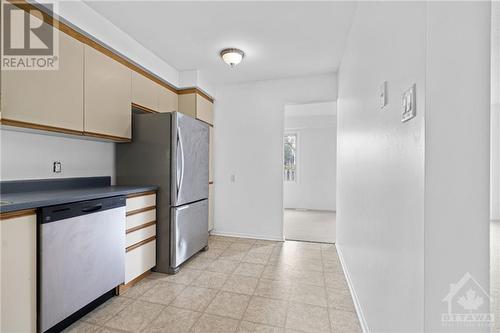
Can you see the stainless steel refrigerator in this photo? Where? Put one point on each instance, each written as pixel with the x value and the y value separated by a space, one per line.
pixel 170 150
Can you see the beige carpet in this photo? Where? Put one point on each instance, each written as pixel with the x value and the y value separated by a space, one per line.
pixel 309 225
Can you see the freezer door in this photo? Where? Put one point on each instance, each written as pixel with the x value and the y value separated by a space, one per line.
pixel 189 177
pixel 189 234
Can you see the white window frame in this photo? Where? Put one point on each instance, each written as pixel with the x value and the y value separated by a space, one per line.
pixel 297 138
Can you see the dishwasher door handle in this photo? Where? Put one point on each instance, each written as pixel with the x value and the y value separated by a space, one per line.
pixel 92 209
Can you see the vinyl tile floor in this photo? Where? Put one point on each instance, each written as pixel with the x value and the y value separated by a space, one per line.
pixel 238 285
pixel 310 225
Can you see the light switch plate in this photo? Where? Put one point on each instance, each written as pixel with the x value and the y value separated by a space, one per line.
pixel 409 104
pixel 383 94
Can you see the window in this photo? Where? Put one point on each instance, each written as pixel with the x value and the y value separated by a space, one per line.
pixel 290 158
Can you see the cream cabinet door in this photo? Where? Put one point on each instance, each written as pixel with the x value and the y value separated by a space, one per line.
pixel 51 97
pixel 167 100
pixel 144 91
pixel 18 274
pixel 187 104
pixel 204 109
pixel 107 96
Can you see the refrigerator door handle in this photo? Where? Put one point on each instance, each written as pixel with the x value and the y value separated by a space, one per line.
pixel 180 171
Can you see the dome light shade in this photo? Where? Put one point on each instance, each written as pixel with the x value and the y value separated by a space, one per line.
pixel 232 56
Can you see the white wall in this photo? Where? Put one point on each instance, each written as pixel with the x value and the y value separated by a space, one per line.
pixel 249 123
pixel 457 151
pixel 380 176
pixel 495 112
pixel 26 155
pixel 412 201
pixel 315 187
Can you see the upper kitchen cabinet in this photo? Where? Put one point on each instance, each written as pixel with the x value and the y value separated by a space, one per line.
pixel 48 99
pixel 167 100
pixel 144 92
pixel 107 97
pixel 195 105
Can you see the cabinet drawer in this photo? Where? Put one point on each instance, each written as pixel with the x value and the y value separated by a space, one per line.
pixel 142 201
pixel 136 220
pixel 137 236
pixel 140 260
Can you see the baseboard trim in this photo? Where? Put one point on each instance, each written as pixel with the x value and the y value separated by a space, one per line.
pixel 357 304
pixel 240 235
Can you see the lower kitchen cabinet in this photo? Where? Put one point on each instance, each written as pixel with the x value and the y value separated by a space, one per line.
pixel 18 271
pixel 140 251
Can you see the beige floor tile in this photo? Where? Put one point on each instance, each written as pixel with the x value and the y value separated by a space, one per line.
pixel 273 289
pixel 249 269
pixel 194 298
pixel 108 330
pixel 344 321
pixel 212 253
pixel 211 280
pixel 107 310
pixel 256 257
pixel 214 324
pixel 184 276
pixel 240 284
pixel 248 327
pixel 266 311
pixel 262 248
pixel 330 265
pixel 140 288
pixel 340 299
pixel 163 293
pixel 82 327
pixel 173 320
pixel 135 316
pixel 240 246
pixel 245 240
pixel 228 304
pixel 217 244
pixel 222 238
pixel 198 262
pixel 274 272
pixel 307 318
pixel 304 293
pixel 232 254
pixel 223 266
pixel 336 280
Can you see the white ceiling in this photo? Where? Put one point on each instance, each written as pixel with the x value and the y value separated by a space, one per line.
pixel 280 39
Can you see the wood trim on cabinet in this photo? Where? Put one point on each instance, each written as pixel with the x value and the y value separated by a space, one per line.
pixel 24 124
pixel 143 108
pixel 124 287
pixel 140 210
pixel 185 91
pixel 68 29
pixel 17 213
pixel 107 137
pixel 134 195
pixel 136 245
pixel 139 227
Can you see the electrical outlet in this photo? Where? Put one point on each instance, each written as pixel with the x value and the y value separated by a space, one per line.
pixel 57 167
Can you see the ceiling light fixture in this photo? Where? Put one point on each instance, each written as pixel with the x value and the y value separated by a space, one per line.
pixel 232 56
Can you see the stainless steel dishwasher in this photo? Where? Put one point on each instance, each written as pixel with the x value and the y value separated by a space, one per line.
pixel 81 257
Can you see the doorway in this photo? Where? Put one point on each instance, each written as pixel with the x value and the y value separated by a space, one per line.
pixel 309 172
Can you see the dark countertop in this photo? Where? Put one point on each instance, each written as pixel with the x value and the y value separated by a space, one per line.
pixel 34 196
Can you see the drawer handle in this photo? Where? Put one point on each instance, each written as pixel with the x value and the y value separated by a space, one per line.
pixel 92 209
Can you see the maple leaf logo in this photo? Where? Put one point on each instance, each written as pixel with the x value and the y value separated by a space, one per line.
pixel 470 301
